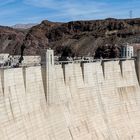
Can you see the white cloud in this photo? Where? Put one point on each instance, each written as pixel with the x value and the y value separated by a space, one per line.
pixel 69 8
pixel 5 2
pixel 21 11
pixel 53 4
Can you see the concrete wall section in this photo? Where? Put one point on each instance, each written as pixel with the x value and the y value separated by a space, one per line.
pixel 34 87
pixel 31 60
pixel 14 106
pixel 88 74
pixel 59 94
pixel 122 101
pixel 3 113
pixel 129 72
pixel 70 80
pixel 99 101
pixel 50 76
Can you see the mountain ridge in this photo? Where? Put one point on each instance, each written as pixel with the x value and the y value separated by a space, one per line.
pixel 83 37
pixel 23 26
pixel 75 38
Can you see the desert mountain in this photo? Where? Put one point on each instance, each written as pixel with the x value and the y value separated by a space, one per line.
pixel 24 26
pixel 76 38
pixel 96 37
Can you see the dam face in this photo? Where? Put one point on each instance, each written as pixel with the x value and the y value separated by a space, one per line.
pixel 93 101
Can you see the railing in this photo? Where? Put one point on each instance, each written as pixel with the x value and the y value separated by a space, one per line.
pixel 94 60
pixel 8 66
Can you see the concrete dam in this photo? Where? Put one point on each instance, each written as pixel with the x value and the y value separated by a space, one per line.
pixel 74 101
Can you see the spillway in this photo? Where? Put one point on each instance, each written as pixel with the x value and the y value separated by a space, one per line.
pixel 76 101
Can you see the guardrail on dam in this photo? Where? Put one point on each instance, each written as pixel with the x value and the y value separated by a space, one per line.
pixel 93 101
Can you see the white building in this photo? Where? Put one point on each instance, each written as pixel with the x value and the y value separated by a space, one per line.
pixel 127 51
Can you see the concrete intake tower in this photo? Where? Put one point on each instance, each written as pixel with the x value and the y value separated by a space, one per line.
pixel 74 101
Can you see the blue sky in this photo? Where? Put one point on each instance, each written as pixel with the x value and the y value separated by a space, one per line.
pixel 34 11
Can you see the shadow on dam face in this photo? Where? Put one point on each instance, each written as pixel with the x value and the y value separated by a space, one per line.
pixel 91 101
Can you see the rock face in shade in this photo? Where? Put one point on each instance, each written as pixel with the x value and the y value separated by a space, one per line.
pixel 89 101
pixel 11 40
